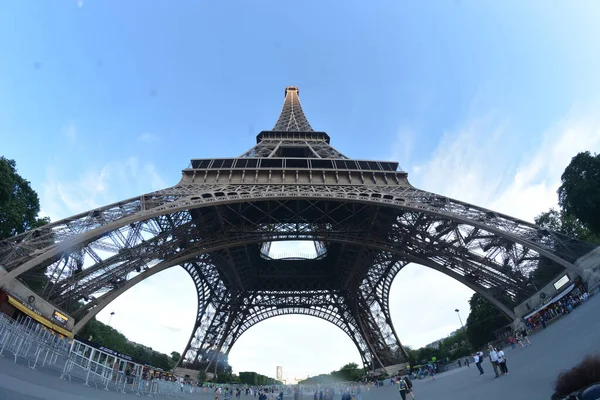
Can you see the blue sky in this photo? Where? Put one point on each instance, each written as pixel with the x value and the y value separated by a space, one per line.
pixel 482 101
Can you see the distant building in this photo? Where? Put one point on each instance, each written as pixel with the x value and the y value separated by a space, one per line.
pixel 279 373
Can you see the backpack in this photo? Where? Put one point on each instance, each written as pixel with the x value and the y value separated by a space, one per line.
pixel 408 382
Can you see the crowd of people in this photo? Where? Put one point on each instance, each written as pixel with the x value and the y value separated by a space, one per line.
pixel 558 308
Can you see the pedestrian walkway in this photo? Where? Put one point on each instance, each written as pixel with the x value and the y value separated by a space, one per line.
pixel 532 370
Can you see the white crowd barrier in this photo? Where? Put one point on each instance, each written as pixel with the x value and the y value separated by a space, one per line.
pixel 27 339
pixel 77 361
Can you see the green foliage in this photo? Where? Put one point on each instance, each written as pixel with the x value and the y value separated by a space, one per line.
pixel 224 377
pixel 201 375
pixel 19 203
pixel 483 320
pixel 254 379
pixel 580 180
pixel 19 208
pixel 455 346
pixel 219 365
pixel 565 223
pixel 579 193
pixel 113 339
pixel 175 356
pixel 350 372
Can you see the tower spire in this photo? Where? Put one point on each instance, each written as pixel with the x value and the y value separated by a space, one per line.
pixel 292 118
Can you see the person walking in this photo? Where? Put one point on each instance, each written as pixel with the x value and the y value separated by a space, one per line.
pixel 511 341
pixel 519 340
pixel 494 360
pixel 477 359
pixel 409 386
pixel 402 389
pixel 524 336
pixel 502 362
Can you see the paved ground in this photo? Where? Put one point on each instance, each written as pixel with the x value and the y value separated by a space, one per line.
pixel 532 370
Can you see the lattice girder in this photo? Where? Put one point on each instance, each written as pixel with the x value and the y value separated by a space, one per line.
pixel 413 249
pixel 26 250
pixel 292 117
pixel 422 225
pixel 329 306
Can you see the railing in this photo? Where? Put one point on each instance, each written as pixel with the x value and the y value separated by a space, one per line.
pixel 38 345
pixel 80 362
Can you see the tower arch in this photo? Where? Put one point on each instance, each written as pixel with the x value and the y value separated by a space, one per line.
pixel 292 185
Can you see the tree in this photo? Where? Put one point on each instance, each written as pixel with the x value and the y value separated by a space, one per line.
pixel 567 224
pixel 579 193
pixel 109 337
pixel 350 372
pixel 201 376
pixel 483 320
pixel 19 203
pixel 175 356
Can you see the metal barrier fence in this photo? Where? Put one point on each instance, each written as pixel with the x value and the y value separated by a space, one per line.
pixel 112 372
pixel 40 347
pixel 27 339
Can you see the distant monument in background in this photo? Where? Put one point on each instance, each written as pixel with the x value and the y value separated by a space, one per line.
pixel 279 373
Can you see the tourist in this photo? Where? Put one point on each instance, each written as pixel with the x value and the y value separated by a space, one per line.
pixel 519 340
pixel 477 359
pixel 402 388
pixel 502 362
pixel 511 341
pixel 432 372
pixel 493 356
pixel 409 386
pixel 346 395
pixel 524 336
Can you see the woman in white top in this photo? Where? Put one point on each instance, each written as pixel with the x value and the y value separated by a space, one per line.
pixel 502 362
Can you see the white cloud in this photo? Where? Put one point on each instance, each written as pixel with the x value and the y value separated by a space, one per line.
pixel 96 187
pixel 402 148
pixel 484 162
pixel 533 188
pixel 148 137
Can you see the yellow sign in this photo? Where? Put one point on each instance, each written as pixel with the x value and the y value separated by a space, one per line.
pixel 60 317
pixel 35 315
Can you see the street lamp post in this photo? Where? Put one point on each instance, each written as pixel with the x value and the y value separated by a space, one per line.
pixel 110 319
pixel 458 313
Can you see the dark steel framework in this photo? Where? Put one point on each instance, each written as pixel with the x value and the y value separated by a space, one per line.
pixel 366 221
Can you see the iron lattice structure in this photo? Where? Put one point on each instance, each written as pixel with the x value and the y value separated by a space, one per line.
pixel 365 219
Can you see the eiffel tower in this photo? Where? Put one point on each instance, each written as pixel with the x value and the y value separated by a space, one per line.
pixel 363 218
